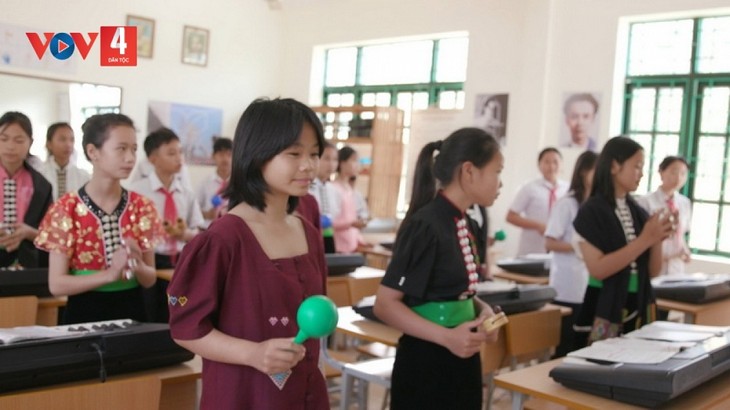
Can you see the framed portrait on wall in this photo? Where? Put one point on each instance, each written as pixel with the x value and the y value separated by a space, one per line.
pixel 145 34
pixel 195 46
pixel 581 119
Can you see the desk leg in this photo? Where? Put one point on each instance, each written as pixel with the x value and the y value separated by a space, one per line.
pixel 518 400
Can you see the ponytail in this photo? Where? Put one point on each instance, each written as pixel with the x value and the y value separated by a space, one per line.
pixel 424 182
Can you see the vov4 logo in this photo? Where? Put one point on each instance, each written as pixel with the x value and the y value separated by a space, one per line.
pixel 118 45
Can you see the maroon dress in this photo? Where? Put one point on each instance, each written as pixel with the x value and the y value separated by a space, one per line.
pixel 224 280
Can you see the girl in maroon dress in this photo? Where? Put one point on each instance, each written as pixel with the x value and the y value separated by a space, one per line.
pixel 236 289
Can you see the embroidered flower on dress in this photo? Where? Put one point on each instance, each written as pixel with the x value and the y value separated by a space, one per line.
pixel 81 209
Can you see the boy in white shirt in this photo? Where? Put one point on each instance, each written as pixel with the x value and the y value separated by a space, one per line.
pixel 209 193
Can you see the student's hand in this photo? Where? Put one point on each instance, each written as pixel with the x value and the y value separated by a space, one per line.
pixel 135 260
pixel 658 227
pixel 463 342
pixel 278 355
pixel 12 238
pixel 360 223
pixel 541 228
pixel 118 265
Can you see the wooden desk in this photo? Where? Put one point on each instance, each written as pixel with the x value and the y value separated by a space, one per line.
pixel 715 313
pixel 535 381
pixel 165 274
pixel 48 310
pixel 498 272
pixel 178 384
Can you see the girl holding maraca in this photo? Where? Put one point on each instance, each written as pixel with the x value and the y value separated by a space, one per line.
pixel 237 287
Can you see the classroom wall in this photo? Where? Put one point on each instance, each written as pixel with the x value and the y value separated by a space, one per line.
pixel 535 50
pixel 244 56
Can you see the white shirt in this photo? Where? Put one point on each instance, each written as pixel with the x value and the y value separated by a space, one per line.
pixel 318 190
pixel 75 177
pixel 209 187
pixel 185 203
pixel 568 273
pixel 532 202
pixel 655 202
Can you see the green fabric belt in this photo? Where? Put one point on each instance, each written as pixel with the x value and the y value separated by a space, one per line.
pixel 448 314
pixel 110 287
pixel 328 232
pixel 633 282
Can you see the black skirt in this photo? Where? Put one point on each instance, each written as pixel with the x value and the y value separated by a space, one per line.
pixel 97 306
pixel 429 376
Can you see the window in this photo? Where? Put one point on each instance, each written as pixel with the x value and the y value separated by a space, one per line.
pixel 411 75
pixel 678 102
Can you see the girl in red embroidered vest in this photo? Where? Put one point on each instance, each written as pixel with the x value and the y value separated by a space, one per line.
pixel 236 306
pixel 101 238
pixel 429 287
pixel 26 195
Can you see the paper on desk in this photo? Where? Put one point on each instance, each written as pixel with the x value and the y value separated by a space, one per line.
pixel 18 334
pixel 629 350
pixel 677 332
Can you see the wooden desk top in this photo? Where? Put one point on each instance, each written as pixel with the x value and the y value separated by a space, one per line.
pixel 353 324
pixel 692 307
pixel 52 301
pixel 536 382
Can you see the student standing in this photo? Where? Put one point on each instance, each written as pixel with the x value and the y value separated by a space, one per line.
pixel 534 202
pixel 26 195
pixel 323 191
pixel 237 306
pixel 568 273
pixel 176 206
pixel 429 287
pixel 101 237
pixel 211 189
pixel 673 172
pixel 347 223
pixel 620 245
pixel 58 169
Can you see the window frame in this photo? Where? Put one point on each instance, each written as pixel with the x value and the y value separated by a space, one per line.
pixel 689 132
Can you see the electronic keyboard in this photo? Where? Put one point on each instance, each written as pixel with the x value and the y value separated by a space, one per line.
pixel 343 263
pixel 515 298
pixel 87 351
pixel 532 264
pixel 694 288
pixel 24 282
pixel 649 385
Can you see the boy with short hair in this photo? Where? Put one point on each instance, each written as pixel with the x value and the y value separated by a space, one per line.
pixel 210 192
pixel 175 204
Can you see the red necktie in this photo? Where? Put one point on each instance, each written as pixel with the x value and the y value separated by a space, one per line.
pixel 552 198
pixel 170 216
pixel 672 207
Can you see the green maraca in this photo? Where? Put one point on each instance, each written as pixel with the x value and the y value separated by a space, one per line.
pixel 316 317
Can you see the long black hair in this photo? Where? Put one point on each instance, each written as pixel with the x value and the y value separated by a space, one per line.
pixel 266 128
pixel 464 145
pixel 585 162
pixel 617 149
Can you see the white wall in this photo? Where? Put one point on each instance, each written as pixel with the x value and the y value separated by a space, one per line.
pixel 244 59
pixel 535 50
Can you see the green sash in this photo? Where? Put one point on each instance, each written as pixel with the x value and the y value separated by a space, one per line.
pixel 447 314
pixel 110 287
pixel 633 282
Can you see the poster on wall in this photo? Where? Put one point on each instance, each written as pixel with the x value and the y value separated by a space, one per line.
pixel 16 51
pixel 196 126
pixel 579 128
pixel 490 114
